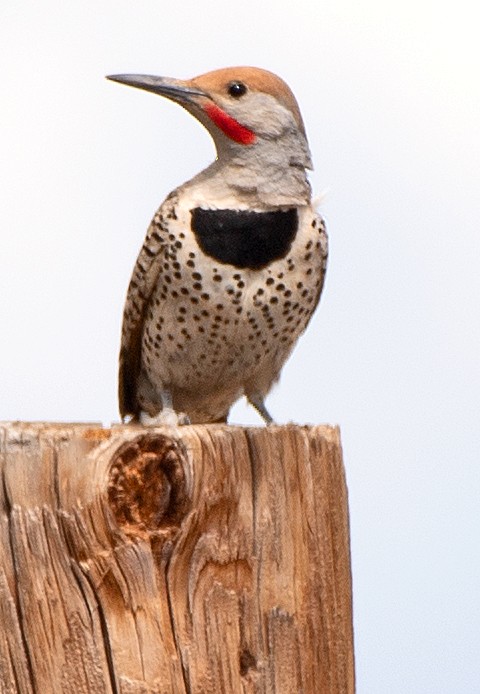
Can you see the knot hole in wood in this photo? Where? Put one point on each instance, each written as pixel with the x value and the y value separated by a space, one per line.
pixel 149 486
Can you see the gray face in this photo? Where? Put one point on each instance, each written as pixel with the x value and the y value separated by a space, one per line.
pixel 261 113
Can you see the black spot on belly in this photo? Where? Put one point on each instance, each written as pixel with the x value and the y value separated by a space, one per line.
pixel 244 238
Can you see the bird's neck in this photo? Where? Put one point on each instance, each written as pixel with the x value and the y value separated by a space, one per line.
pixel 270 175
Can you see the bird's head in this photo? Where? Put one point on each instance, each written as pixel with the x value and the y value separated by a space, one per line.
pixel 241 107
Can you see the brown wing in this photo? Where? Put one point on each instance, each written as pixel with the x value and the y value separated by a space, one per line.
pixel 323 238
pixel 144 279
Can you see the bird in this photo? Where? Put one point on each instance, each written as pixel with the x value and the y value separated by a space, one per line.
pixel 234 260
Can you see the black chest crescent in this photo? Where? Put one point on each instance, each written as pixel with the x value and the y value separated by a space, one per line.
pixel 243 238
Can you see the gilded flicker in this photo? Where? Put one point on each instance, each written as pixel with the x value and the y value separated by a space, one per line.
pixel 233 262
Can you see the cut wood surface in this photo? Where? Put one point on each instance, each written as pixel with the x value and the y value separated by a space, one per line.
pixel 191 560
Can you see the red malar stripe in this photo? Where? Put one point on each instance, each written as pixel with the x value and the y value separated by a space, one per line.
pixel 232 128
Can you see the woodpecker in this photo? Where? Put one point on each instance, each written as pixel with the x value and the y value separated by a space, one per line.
pixel 233 262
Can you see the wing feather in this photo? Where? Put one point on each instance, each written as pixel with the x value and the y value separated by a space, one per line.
pixel 142 284
pixel 322 231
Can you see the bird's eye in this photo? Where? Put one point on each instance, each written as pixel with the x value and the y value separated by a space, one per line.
pixel 236 89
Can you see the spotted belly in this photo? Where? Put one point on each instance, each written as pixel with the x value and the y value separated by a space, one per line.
pixel 213 326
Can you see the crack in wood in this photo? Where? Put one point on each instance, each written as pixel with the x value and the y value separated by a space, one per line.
pixel 199 559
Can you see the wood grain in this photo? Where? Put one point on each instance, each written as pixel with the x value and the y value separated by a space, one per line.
pixel 193 560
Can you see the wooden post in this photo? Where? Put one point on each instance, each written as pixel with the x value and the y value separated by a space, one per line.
pixel 198 560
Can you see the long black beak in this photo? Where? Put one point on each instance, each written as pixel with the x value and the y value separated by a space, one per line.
pixel 178 90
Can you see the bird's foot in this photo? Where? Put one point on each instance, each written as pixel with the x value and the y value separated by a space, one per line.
pixel 166 417
pixel 259 405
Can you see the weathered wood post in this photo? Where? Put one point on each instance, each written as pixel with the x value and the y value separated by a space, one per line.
pixel 204 559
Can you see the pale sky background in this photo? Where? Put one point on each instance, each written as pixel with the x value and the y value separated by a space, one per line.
pixel 390 93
